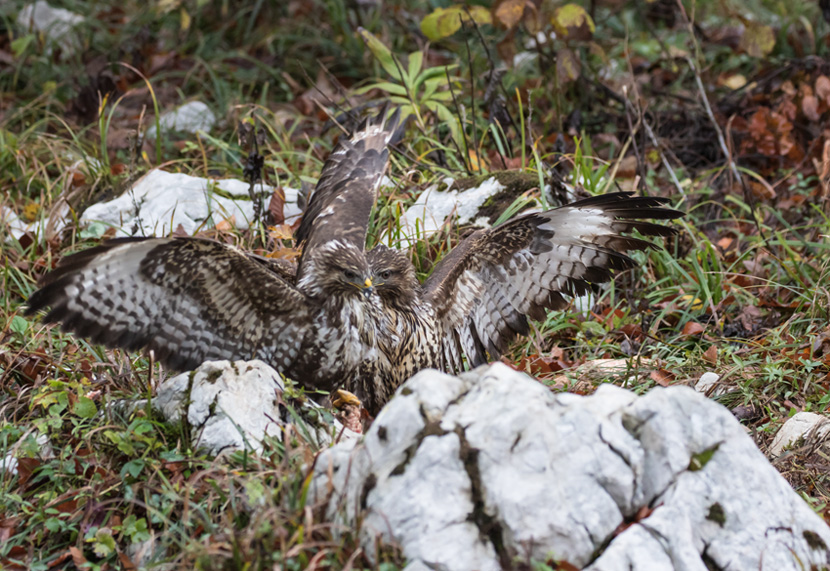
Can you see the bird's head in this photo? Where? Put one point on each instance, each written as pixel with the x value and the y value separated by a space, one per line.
pixel 343 270
pixel 393 275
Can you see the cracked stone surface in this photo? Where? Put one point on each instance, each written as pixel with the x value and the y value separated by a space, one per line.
pixel 160 202
pixel 481 470
pixel 231 405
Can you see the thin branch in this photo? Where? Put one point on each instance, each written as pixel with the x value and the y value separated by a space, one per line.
pixel 472 95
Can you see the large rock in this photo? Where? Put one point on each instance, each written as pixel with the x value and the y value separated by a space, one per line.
pixel 489 468
pixel 160 202
pixel 233 405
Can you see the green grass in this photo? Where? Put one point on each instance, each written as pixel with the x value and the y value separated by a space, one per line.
pixel 112 482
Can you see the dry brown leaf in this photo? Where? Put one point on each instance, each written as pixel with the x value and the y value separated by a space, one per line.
pixel 823 88
pixel 711 355
pixel 662 377
pixel 762 189
pixel 693 328
pixel 809 106
pixel 276 207
pixel 227 224
pixel 509 12
pixel 78 557
pixel 568 66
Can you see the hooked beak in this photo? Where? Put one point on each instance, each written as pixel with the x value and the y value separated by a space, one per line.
pixel 367 288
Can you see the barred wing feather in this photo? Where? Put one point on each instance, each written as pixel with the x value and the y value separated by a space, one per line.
pixel 188 300
pixel 484 291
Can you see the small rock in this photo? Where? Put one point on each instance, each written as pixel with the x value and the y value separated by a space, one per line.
pixel 807 425
pixel 192 117
pixel 9 462
pixel 706 382
pixel 161 201
pixel 234 405
pixel 56 25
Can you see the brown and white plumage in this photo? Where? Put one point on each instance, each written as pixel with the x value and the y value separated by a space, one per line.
pixel 346 317
pixel 346 191
pixel 191 300
pixel 479 297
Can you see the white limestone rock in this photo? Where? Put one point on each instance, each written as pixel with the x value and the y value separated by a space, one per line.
pixel 434 206
pixel 802 425
pixel 192 117
pixel 42 229
pixel 707 384
pixel 55 24
pixel 10 464
pixel 161 201
pixel 234 405
pixel 472 472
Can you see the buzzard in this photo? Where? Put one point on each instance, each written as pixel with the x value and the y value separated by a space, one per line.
pixel 344 317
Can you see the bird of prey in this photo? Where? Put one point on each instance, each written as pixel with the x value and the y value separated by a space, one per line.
pixel 347 318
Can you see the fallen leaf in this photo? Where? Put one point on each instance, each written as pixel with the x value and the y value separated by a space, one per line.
pixel 662 377
pixel 25 468
pixel 809 106
pixel 78 557
pixel 568 66
pixel 758 40
pixel 733 82
pixel 276 207
pixel 762 189
pixel 227 224
pixel 59 559
pixel 508 13
pixel 692 328
pixel 572 22
pixel 750 317
pixel 632 330
pixel 695 303
pixel 823 88
pixel 711 355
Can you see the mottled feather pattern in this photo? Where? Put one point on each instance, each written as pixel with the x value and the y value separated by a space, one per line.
pixel 171 296
pixel 340 205
pixel 343 316
pixel 489 284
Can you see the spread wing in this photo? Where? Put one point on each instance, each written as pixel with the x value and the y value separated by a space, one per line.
pixel 342 201
pixel 484 290
pixel 189 300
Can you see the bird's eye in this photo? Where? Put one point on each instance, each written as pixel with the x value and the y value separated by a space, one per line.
pixel 349 275
pixel 386 274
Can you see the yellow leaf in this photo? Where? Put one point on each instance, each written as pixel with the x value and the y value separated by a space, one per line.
pixel 185 19
pixel 571 21
pixel 758 40
pixel 695 303
pixel 477 162
pixel 444 22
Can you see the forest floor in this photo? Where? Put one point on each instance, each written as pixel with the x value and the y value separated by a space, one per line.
pixel 723 109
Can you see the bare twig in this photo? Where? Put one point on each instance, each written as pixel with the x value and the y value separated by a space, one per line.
pixel 472 96
pixel 464 156
pixel 733 168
